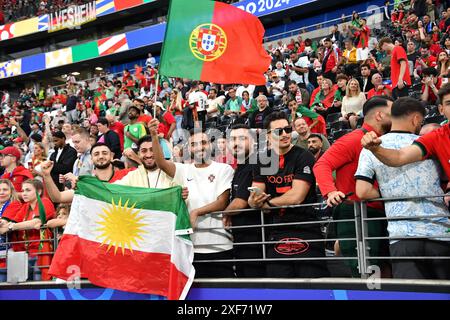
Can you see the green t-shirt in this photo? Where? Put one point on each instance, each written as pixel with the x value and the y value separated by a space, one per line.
pixel 137 130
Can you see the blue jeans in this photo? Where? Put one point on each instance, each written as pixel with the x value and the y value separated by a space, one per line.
pixel 34 273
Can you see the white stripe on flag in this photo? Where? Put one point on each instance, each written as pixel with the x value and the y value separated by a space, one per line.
pixel 157 234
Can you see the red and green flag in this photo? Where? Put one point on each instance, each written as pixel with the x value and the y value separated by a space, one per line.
pixel 214 42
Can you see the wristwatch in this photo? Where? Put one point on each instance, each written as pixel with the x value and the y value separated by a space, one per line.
pixel 10 226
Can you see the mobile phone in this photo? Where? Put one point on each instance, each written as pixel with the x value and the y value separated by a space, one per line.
pixel 256 190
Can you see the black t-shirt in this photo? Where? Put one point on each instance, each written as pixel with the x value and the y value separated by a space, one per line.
pixel 297 164
pixel 243 178
pixel 257 117
pixel 413 57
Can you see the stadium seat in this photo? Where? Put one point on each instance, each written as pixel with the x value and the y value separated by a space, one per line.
pixel 338 125
pixel 337 134
pixel 333 117
pixel 435 119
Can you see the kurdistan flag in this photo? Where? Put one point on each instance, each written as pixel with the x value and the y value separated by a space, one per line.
pixel 129 239
pixel 215 42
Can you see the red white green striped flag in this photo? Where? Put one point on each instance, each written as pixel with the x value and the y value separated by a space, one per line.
pixel 129 239
pixel 214 42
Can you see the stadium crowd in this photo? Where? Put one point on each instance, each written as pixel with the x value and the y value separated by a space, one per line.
pixel 323 101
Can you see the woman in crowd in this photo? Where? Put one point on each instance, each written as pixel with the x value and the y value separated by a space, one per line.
pixel 27 224
pixel 176 105
pixel 324 98
pixel 39 155
pixel 443 64
pixel 352 104
pixel 8 207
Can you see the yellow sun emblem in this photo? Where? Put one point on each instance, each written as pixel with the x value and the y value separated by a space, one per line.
pixel 121 226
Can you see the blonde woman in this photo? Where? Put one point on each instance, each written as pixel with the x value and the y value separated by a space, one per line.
pixel 8 208
pixel 352 104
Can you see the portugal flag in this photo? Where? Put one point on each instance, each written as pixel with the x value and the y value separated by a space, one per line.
pixel 129 239
pixel 214 42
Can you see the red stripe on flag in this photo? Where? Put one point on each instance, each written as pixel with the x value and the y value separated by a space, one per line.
pixel 102 41
pixel 140 272
pixel 244 34
pixel 124 4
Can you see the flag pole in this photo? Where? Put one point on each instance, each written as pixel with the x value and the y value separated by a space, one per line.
pixel 156 95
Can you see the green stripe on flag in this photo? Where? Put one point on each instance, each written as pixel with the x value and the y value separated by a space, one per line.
pixel 177 59
pixel 43 218
pixel 85 51
pixel 168 200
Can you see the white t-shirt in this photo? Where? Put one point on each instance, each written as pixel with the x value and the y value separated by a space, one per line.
pixel 199 98
pixel 302 62
pixel 250 89
pixel 205 185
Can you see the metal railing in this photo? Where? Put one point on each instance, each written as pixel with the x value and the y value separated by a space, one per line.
pixel 361 237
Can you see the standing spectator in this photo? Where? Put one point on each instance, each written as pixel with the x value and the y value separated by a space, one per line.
pixel 292 183
pixel 343 157
pixel 241 145
pixel 151 61
pixel 134 130
pixel 109 137
pixel 83 165
pixel 210 182
pixel 415 179
pixel 330 60
pixel 14 171
pixel 363 32
pixel 297 70
pixel 63 158
pixel 400 76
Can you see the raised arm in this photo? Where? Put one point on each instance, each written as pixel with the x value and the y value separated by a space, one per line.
pixel 391 157
pixel 165 165
pixel 52 190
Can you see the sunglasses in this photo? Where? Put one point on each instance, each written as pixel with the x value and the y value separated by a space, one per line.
pixel 279 131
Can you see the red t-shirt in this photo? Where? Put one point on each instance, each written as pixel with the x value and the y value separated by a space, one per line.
pixel 144 118
pixel 398 55
pixel 437 144
pixel 164 126
pixel 372 92
pixel 364 37
pixel 118 128
pixel 26 214
pixel 342 157
pixel 431 96
pixel 332 60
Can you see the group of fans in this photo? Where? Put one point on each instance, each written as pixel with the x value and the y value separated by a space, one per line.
pixel 234 148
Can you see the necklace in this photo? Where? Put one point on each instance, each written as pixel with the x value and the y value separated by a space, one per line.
pixel 157 179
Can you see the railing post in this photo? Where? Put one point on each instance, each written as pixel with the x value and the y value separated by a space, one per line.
pixel 365 245
pixel 263 235
pixel 359 239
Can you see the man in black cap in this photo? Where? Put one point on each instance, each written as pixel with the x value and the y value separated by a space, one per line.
pixel 63 158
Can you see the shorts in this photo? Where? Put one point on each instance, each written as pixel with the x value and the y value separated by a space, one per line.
pixel 347 230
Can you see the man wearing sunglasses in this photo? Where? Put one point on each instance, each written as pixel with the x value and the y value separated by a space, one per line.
pixel 291 182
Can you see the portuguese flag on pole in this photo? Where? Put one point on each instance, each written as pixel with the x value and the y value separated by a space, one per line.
pixel 129 239
pixel 214 42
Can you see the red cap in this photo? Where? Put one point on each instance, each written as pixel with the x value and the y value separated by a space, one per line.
pixel 13 151
pixel 18 140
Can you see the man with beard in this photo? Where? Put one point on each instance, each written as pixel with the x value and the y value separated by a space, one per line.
pixel 315 145
pixel 343 157
pixel 210 182
pixel 134 130
pixel 415 179
pixel 290 183
pixel 146 175
pixel 101 156
pixel 241 142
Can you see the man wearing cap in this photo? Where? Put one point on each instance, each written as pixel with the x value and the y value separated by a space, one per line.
pixel 14 172
pixel 134 130
pixel 276 86
pixel 63 158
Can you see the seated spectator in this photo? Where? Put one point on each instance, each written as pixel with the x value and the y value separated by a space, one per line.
pixel 315 121
pixel 349 58
pixel 425 60
pixel 59 223
pixel 364 80
pixel 443 65
pixel 276 87
pixel 379 89
pixel 324 99
pixel 249 104
pixel 233 106
pixel 352 104
pixel 431 84
pixel 256 119
pixel 302 133
pixel 339 94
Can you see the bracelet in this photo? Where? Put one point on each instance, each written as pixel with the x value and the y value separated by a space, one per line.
pixel 269 204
